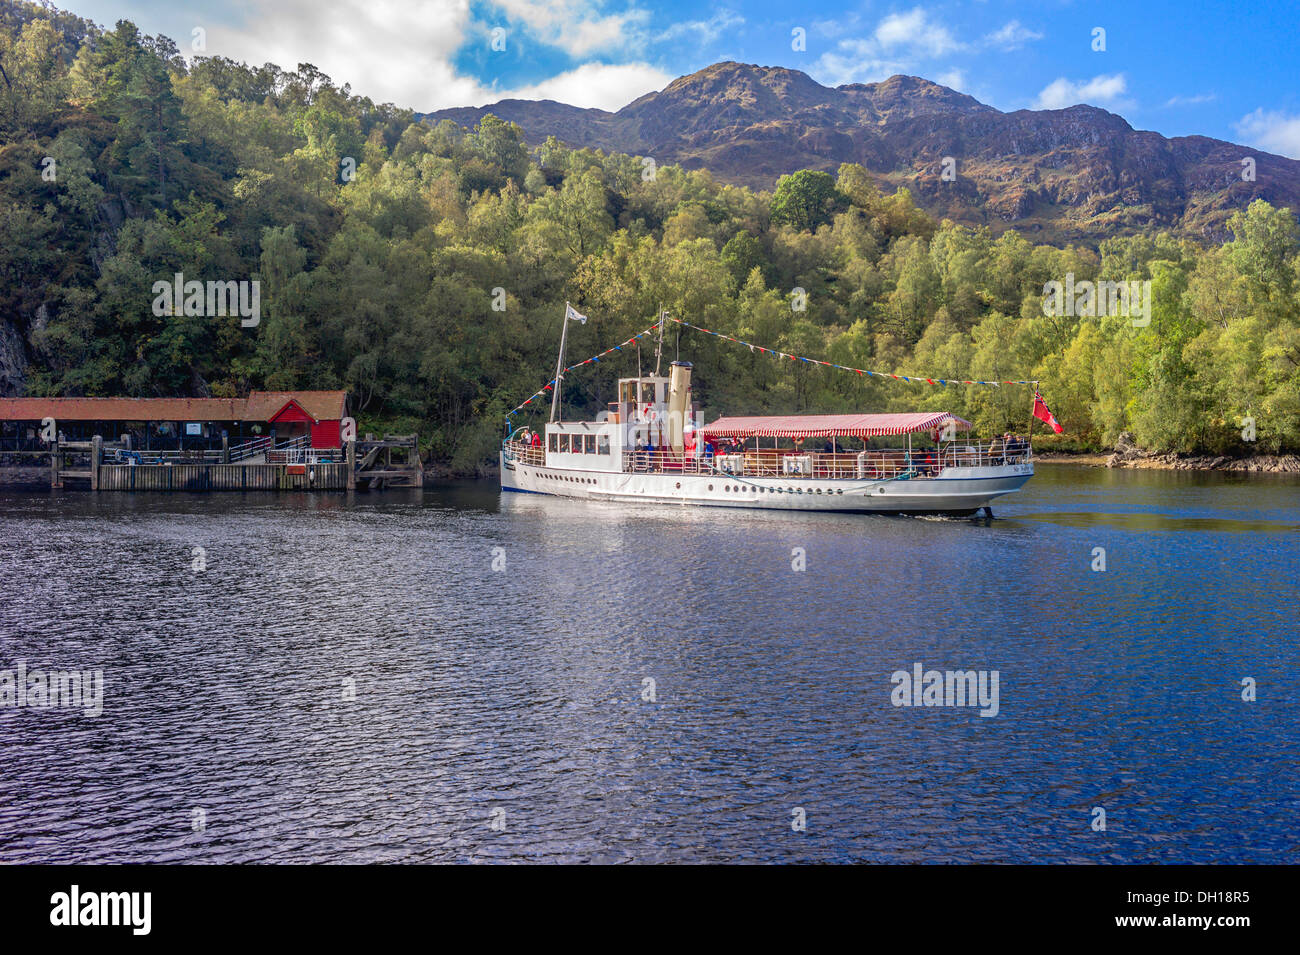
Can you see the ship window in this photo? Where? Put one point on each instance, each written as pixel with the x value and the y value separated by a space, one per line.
pixel 552 440
pixel 648 392
pixel 564 444
pixel 629 392
pixel 590 442
pixel 602 444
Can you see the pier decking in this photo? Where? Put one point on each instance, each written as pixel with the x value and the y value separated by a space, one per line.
pixel 370 464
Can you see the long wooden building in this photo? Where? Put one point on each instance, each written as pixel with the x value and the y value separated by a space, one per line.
pixel 271 440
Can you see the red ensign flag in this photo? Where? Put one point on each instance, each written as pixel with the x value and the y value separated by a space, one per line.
pixel 1043 413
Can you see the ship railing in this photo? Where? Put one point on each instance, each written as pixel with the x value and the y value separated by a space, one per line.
pixel 871 465
pixel 525 453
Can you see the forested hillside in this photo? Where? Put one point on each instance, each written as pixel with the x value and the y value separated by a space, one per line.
pixel 380 242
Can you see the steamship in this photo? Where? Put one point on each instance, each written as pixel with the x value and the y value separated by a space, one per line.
pixel 651 446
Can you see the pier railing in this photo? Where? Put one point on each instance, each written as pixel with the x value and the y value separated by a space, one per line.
pixel 251 449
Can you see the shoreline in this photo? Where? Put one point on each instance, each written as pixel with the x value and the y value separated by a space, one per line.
pixel 1257 464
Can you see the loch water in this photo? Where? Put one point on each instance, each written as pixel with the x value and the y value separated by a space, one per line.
pixel 461 675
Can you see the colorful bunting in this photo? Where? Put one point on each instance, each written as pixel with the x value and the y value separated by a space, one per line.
pixel 940 382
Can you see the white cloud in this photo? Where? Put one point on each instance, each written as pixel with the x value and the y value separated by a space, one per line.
pixel 953 79
pixel 575 26
pixel 1272 130
pixel 848 65
pixel 705 31
pixel 396 51
pixel 1012 36
pixel 403 51
pixel 914 31
pixel 1060 93
pixel 599 85
pixel 1191 100
pixel 896 45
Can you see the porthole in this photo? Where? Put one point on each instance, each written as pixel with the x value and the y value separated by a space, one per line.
pixel 726 487
pixel 710 487
pixel 679 485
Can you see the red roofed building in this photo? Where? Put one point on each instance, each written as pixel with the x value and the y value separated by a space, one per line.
pixel 187 421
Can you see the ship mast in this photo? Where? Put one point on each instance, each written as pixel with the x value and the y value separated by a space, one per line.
pixel 559 367
pixel 659 344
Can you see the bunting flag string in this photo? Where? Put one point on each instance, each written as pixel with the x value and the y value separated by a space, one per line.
pixel 592 360
pixel 777 353
pixel 914 379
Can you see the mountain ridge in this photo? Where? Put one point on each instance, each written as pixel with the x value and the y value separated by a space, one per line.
pixel 1073 174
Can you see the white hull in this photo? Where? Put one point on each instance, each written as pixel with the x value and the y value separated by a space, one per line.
pixel 957 491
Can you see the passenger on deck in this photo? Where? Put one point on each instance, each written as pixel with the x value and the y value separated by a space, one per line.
pixel 537 439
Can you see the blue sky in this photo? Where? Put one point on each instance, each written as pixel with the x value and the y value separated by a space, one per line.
pixel 1222 69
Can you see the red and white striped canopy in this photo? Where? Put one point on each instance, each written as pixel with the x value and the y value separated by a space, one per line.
pixel 826 425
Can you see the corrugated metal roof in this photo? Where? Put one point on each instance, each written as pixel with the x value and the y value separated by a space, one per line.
pixel 258 406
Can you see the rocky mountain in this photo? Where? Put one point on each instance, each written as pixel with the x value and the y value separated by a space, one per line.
pixel 1076 174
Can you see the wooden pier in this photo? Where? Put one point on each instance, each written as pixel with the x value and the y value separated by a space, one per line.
pixel 390 462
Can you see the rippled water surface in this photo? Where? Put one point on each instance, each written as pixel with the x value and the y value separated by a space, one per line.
pixel 499 714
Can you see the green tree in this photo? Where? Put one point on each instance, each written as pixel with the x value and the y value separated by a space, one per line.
pixel 805 200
